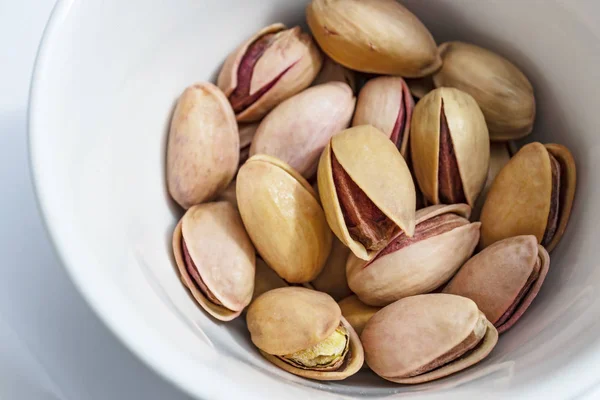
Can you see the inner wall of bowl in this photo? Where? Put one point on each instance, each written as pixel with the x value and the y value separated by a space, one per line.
pixel 118 143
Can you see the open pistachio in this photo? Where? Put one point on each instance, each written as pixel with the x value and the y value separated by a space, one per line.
pixel 356 312
pixel 303 332
pixel 203 146
pixel 503 92
pixel 298 129
pixel 503 279
pixel 422 338
pixel 265 279
pixel 332 280
pixel 366 190
pixel 215 259
pixel 532 195
pixel 386 104
pixel 334 72
pixel 283 218
pixel 444 239
pixel 450 147
pixel 247 132
pixel 273 65
pixel 375 36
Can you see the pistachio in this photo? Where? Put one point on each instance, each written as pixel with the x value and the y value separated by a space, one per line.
pixel 386 104
pixel 332 280
pixel 503 279
pixel 450 147
pixel 419 87
pixel 215 259
pixel 334 72
pixel 247 132
pixel 422 338
pixel 298 129
pixel 503 92
pixel 375 36
pixel 356 312
pixel 273 65
pixel 203 146
pixel 366 190
pixel 283 218
pixel 443 240
pixel 303 332
pixel 532 195
pixel 265 279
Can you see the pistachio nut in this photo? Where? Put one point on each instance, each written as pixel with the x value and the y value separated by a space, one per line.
pixel 422 338
pixel 366 190
pixel 334 72
pixel 419 87
pixel 532 195
pixel 273 65
pixel 265 279
pixel 298 129
pixel 356 312
pixel 247 132
pixel 375 36
pixel 503 279
pixel 283 218
pixel 332 280
pixel 203 146
pixel 450 147
pixel 386 104
pixel 503 92
pixel 303 332
pixel 444 239
pixel 215 258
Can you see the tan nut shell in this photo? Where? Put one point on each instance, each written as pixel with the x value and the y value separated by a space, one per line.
pixel 203 145
pixel 283 218
pixel 223 255
pixel 376 36
pixel 503 92
pixel 375 165
pixel 414 331
pixel 356 312
pixel 334 72
pixel 298 129
pixel 418 268
pixel 469 136
pixel 332 280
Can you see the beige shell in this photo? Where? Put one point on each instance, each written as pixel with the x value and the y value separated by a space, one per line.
pixel 503 92
pixel 356 312
pixel 332 280
pixel 334 72
pixel 376 36
pixel 223 257
pixel 298 129
pixel 283 218
pixel 203 146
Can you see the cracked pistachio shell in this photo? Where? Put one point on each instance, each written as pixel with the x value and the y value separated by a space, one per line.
pixel 503 92
pixel 287 320
pixel 503 279
pixel 407 341
pixel 283 218
pixel 374 36
pixel 298 129
pixel 334 72
pixel 247 132
pixel 356 312
pixel 266 279
pixel 444 239
pixel 386 103
pixel 526 193
pixel 273 65
pixel 222 256
pixel 456 158
pixel 332 280
pixel 203 146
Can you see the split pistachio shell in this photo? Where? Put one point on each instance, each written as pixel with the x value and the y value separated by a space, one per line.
pixel 298 129
pixel 332 280
pixel 283 218
pixel 532 195
pixel 303 332
pixel 203 146
pixel 334 72
pixel 450 147
pixel 375 36
pixel 215 259
pixel 356 312
pixel 273 65
pixel 503 279
pixel 247 132
pixel 503 92
pixel 366 190
pixel 422 338
pixel 266 279
pixel 386 104
pixel 444 239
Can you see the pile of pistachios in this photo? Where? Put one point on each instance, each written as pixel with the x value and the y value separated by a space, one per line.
pixel 357 195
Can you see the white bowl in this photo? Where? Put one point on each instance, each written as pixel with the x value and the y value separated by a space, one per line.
pixel 107 76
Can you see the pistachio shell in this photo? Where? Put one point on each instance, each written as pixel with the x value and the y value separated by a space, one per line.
pixel 222 256
pixel 332 280
pixel 203 146
pixel 283 218
pixel 298 129
pixel 266 279
pixel 376 36
pixel 334 72
pixel 503 92
pixel 356 312
pixel 247 132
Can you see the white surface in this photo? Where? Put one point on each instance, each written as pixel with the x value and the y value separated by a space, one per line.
pixel 109 74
